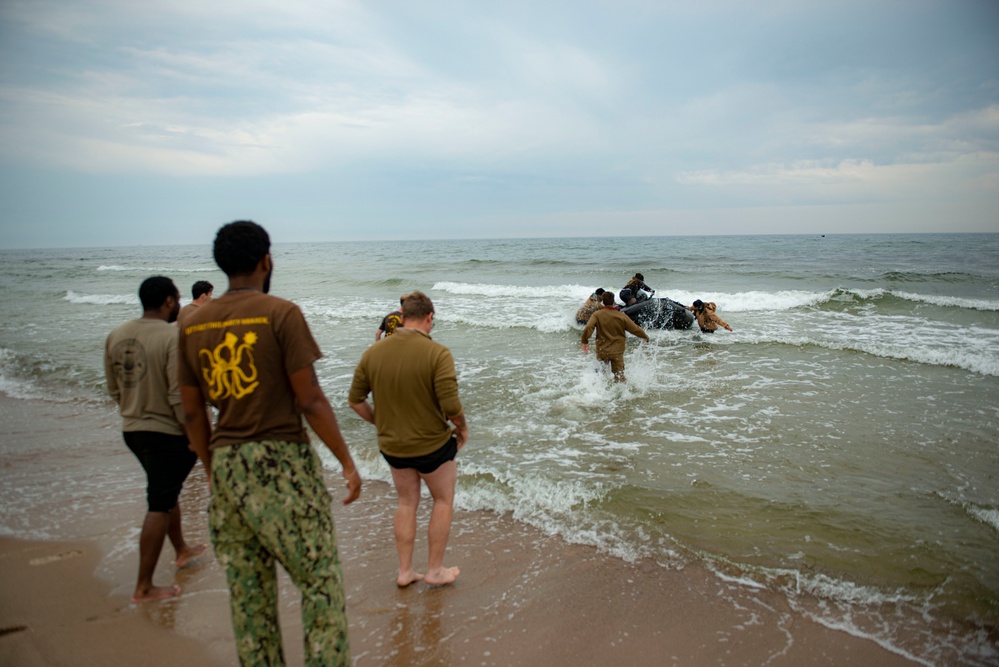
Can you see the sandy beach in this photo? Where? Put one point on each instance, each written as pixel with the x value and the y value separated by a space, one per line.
pixel 523 598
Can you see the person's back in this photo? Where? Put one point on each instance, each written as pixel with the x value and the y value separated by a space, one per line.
pixel 707 319
pixel 415 388
pixel 142 354
pixel 611 326
pixel 251 355
pixel 411 377
pixel 242 341
pixel 637 285
pixel 590 306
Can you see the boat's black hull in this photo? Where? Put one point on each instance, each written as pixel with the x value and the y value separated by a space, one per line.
pixel 659 314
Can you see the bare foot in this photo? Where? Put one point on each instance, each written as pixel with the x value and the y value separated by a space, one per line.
pixel 189 554
pixel 442 577
pixel 405 579
pixel 156 593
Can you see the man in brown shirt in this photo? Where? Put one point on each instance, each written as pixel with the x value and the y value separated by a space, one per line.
pixel 251 355
pixel 415 393
pixel 611 326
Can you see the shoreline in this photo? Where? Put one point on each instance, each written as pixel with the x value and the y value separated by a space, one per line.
pixel 523 597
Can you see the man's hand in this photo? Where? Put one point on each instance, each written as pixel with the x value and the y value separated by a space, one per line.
pixel 460 431
pixel 353 485
pixel 586 348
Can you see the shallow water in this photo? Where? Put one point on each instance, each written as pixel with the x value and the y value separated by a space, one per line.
pixel 840 445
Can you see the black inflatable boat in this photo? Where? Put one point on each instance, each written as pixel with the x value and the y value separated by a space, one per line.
pixel 655 313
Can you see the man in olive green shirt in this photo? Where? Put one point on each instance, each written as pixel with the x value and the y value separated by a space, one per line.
pixel 611 325
pixel 415 392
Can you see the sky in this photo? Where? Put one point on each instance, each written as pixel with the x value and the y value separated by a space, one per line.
pixel 125 123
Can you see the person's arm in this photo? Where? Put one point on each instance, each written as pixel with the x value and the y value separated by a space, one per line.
pixel 461 428
pixel 591 324
pixel 720 322
pixel 364 411
pixel 196 424
pixel 113 389
pixel 173 383
pixel 319 413
pixel 635 329
pixel 378 334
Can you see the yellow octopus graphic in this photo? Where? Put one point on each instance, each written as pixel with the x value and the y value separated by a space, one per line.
pixel 223 367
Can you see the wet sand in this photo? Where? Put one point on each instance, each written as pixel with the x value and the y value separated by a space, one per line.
pixel 523 598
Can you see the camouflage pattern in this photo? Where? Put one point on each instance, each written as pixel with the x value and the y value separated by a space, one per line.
pixel 270 504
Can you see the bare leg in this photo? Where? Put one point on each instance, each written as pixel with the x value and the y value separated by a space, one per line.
pixel 154 532
pixel 407 487
pixel 441 484
pixel 185 552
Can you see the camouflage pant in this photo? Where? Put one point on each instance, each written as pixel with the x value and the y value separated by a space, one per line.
pixel 270 504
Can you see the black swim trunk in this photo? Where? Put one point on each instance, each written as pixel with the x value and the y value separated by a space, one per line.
pixel 707 330
pixel 167 461
pixel 428 463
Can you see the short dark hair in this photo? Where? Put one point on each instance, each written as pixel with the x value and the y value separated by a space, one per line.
pixel 239 247
pixel 201 287
pixel 153 292
pixel 416 306
pixel 600 290
pixel 607 298
pixel 640 276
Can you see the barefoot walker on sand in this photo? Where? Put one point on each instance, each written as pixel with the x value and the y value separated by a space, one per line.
pixel 140 364
pixel 415 393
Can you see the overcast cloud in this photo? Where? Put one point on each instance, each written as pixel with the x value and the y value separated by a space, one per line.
pixel 126 123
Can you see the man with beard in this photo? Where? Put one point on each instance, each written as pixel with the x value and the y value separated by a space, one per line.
pixel 140 364
pixel 251 356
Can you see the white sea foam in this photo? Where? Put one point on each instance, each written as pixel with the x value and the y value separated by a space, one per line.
pixel 515 291
pixel 988 516
pixel 154 269
pixel 101 299
pixel 950 301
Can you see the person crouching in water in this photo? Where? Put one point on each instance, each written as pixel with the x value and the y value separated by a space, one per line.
pixel 707 320
pixel 590 306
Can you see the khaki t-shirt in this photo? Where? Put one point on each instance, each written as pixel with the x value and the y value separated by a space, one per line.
pixel 240 349
pixel 140 365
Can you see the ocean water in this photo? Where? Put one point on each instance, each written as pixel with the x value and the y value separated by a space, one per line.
pixel 840 446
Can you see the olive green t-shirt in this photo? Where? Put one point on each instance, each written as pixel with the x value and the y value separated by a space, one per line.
pixel 241 349
pixel 414 388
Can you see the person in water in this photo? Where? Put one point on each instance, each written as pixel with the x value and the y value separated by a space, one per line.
pixel 707 320
pixel 638 283
pixel 390 322
pixel 611 325
pixel 590 306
